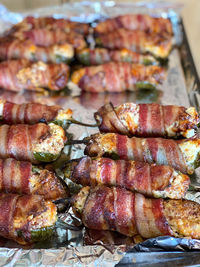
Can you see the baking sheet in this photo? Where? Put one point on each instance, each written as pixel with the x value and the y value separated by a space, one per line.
pixel 66 248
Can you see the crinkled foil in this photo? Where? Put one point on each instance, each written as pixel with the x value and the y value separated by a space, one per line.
pixel 67 248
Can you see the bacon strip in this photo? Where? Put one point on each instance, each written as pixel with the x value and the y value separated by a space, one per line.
pixel 98 56
pixel 29 113
pixel 135 22
pixel 117 209
pixel 17 75
pixel 16 140
pixel 147 120
pixel 151 150
pixel 117 77
pixel 26 49
pixel 18 177
pixel 16 213
pixel 151 180
pixel 45 37
pixel 50 23
pixel 137 41
pixel 7 209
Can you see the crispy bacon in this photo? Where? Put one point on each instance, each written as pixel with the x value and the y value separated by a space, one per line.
pixel 18 215
pixel 46 37
pixel 16 49
pixel 16 141
pixel 150 180
pixel 117 209
pixel 182 155
pixel 98 56
pixel 148 120
pixel 50 23
pixel 132 22
pixel 19 177
pixel 29 113
pixel 17 75
pixel 137 41
pixel 117 77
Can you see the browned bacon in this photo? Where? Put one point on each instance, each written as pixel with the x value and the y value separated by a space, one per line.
pixel 20 177
pixel 46 37
pixel 17 75
pixel 182 155
pixel 25 49
pixel 137 41
pixel 29 113
pixel 52 24
pixel 118 77
pixel 117 209
pixel 148 120
pixel 16 141
pixel 135 22
pixel 151 180
pixel 20 216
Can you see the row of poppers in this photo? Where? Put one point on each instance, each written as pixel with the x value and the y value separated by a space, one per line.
pixel 135 175
pixel 34 46
pixel 28 190
pixel 152 166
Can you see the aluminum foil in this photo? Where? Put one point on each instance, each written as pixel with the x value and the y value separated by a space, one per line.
pixel 67 248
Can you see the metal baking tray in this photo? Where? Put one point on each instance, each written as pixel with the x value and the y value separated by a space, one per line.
pixel 182 87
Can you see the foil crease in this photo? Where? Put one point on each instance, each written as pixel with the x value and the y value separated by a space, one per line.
pixel 67 247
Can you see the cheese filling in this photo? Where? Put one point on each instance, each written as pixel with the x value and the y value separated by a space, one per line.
pixel 64 115
pixel 65 50
pixel 53 143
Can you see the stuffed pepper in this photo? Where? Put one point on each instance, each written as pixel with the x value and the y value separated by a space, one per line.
pixel 133 22
pixel 44 37
pixel 182 155
pixel 26 218
pixel 137 41
pixel 148 120
pixel 16 49
pixel 117 209
pixel 24 178
pixel 35 143
pixel 99 56
pixel 148 179
pixel 50 23
pixel 118 77
pixel 17 75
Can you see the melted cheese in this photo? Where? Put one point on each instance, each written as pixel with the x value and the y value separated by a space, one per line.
pixel 65 50
pixel 108 141
pixel 33 74
pixel 64 114
pixel 128 114
pixel 190 150
pixel 53 143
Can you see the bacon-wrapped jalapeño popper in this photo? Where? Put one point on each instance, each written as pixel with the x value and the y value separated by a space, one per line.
pixel 24 178
pixel 99 56
pixel 34 143
pixel 148 120
pixel 26 218
pixel 17 75
pixel 31 113
pixel 150 180
pixel 17 49
pixel 137 41
pixel 118 77
pixel 182 155
pixel 117 209
pixel 50 23
pixel 45 37
pixel 132 22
